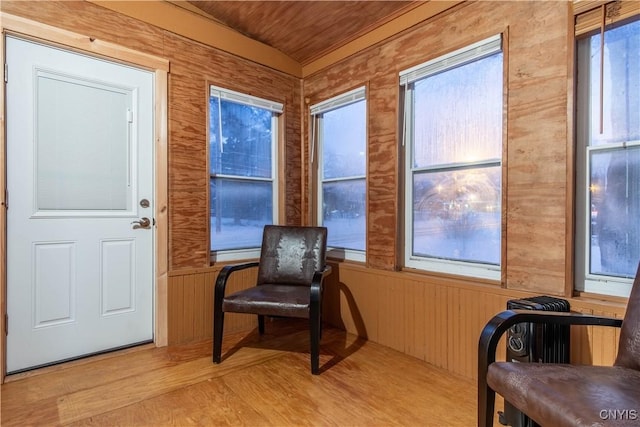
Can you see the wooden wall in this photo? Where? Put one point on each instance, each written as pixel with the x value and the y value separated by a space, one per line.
pixel 190 313
pixel 434 318
pixel 438 320
pixel 537 54
pixel 192 67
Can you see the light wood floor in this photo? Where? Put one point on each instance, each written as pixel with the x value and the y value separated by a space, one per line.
pixel 262 381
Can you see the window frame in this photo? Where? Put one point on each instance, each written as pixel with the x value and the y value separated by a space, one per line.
pixel 584 280
pixel 465 55
pixel 316 113
pixel 277 109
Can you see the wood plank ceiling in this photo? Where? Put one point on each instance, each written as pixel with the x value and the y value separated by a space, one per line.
pixel 304 30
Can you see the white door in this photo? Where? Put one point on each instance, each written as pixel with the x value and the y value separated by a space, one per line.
pixel 79 176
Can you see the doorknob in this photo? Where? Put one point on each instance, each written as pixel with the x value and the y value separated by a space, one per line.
pixel 142 223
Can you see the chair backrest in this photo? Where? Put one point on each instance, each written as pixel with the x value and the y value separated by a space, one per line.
pixel 629 345
pixel 290 255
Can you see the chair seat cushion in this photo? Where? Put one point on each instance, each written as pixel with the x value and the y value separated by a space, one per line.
pixel 270 300
pixel 570 395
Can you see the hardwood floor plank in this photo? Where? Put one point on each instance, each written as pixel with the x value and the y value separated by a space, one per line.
pixel 262 381
pixel 207 403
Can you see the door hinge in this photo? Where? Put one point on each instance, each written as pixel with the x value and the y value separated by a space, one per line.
pixel 6 324
pixel 129 116
pixel 6 72
pixel 5 202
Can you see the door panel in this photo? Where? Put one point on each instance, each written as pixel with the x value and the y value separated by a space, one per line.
pixel 79 160
pixel 54 283
pixel 118 276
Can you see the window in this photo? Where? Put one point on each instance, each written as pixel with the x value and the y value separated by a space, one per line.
pixel 243 172
pixel 340 128
pixel 608 155
pixel 453 170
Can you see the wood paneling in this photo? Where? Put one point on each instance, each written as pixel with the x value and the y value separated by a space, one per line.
pixel 537 148
pixel 191 304
pixel 537 138
pixel 193 67
pixel 439 320
pixel 83 18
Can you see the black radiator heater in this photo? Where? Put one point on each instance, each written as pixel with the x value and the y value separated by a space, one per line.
pixel 538 343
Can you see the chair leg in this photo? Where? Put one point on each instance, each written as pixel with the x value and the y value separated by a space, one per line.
pixel 486 406
pixel 218 326
pixel 261 324
pixel 315 330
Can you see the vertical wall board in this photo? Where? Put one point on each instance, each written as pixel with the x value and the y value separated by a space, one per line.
pixel 175 309
pixel 391 313
pixel 415 306
pixel 382 168
pixel 189 308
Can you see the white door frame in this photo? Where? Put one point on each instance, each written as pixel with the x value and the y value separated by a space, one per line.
pixel 29 29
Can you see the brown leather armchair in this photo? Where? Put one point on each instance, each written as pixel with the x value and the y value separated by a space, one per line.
pixel 562 394
pixel 291 270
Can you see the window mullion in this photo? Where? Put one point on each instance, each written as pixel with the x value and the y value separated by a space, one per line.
pixel 344 179
pixel 240 177
pixel 459 166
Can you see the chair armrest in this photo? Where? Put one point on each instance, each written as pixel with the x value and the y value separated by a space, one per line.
pixel 316 284
pixel 223 276
pixel 500 323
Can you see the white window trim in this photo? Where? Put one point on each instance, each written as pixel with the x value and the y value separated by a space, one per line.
pixel 457 58
pixel 316 111
pixel 250 100
pixel 465 55
pixel 235 254
pixel 343 100
pixel 276 109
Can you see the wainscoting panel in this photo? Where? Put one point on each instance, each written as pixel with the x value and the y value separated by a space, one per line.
pixel 434 319
pixel 191 304
pixel 439 320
